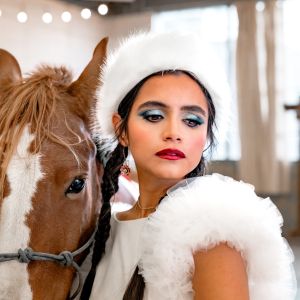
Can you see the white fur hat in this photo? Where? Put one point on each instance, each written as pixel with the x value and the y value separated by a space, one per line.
pixel 143 54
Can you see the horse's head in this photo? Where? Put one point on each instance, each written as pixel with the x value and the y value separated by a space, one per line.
pixel 49 175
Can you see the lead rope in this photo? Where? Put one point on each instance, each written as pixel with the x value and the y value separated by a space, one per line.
pixel 65 258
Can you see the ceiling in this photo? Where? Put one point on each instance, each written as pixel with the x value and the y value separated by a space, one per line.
pixel 118 7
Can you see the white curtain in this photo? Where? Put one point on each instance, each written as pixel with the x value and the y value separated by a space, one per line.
pixel 259 99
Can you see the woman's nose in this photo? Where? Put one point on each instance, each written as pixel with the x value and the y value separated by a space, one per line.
pixel 172 131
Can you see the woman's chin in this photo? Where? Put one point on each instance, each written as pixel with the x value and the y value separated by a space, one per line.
pixel 163 174
pixel 173 177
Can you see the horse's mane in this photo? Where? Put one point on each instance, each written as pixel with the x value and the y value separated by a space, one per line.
pixel 32 101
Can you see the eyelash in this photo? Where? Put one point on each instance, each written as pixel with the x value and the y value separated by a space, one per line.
pixel 154 116
pixel 191 122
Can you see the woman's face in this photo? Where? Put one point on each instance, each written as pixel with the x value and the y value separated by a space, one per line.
pixel 167 127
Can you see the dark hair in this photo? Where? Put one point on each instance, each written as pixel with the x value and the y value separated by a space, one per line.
pixel 109 186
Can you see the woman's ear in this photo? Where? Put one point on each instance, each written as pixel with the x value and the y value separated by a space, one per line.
pixel 122 137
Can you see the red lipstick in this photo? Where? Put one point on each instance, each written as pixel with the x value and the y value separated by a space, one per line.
pixel 170 154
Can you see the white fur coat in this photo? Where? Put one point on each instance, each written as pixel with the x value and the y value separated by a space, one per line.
pixel 200 213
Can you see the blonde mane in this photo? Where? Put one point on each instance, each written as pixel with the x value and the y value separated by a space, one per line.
pixel 33 102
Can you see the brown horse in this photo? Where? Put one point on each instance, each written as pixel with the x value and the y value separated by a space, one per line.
pixel 49 175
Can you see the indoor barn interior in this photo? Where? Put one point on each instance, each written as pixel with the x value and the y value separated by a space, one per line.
pixel 259 48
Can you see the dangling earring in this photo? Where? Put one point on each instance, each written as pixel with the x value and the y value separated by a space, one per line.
pixel 125 169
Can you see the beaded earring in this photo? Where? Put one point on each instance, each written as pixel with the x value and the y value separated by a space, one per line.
pixel 125 169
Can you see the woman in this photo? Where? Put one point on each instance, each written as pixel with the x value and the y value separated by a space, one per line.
pixel 188 236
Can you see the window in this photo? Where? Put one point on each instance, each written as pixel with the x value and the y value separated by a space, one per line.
pixel 291 72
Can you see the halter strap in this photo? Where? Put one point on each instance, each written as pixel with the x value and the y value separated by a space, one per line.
pixel 65 258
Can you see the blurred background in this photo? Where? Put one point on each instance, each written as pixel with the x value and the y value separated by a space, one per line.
pixel 258 45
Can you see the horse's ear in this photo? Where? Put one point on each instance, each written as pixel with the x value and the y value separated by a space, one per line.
pixel 84 88
pixel 10 71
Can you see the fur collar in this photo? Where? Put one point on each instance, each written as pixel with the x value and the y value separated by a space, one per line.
pixel 203 212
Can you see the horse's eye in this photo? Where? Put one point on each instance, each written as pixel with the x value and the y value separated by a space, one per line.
pixel 76 186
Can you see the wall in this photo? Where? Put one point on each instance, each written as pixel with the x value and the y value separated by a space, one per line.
pixel 57 43
pixel 121 26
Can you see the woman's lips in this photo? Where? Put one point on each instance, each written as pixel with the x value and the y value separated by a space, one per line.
pixel 170 154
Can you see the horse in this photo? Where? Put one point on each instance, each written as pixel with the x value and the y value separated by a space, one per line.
pixel 49 177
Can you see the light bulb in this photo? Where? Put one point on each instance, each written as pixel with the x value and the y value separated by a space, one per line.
pixel 47 18
pixel 86 13
pixel 22 17
pixel 102 9
pixel 66 16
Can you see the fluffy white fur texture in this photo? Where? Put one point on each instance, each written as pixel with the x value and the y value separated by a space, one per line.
pixel 145 53
pixel 203 213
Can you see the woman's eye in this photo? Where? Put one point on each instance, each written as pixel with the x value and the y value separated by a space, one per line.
pixel 76 186
pixel 153 118
pixel 193 122
pixel 152 115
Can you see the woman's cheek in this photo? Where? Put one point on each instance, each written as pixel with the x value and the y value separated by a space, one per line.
pixel 139 134
pixel 199 142
pixel 140 137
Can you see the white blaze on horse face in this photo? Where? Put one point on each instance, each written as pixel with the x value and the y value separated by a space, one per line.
pixel 23 174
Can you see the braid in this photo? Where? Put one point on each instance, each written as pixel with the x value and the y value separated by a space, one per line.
pixel 109 187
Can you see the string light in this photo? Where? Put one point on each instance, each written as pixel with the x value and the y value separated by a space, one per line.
pixel 66 16
pixel 86 13
pixel 0 12
pixel 102 9
pixel 22 17
pixel 47 18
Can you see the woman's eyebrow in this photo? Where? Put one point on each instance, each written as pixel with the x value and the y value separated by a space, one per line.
pixel 191 108
pixel 194 108
pixel 152 103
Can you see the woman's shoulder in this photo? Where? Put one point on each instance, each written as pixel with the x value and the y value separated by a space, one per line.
pixel 230 283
